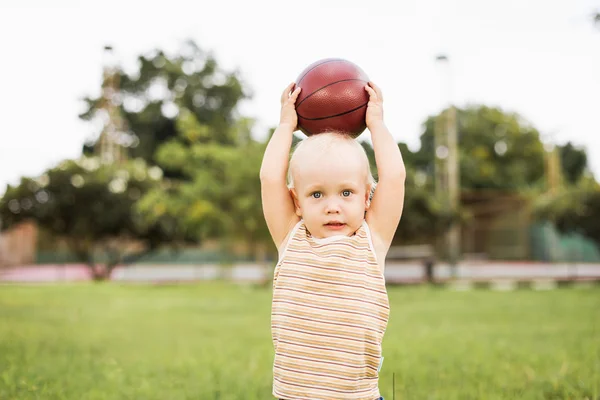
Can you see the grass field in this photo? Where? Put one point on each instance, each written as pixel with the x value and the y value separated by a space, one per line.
pixel 212 341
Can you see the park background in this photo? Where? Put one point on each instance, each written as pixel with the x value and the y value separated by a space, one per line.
pixel 130 157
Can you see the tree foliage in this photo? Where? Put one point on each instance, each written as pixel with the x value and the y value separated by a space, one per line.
pixel 152 95
pixel 423 216
pixel 497 150
pixel 90 206
pixel 183 110
pixel 218 195
pixel 576 209
pixel 573 162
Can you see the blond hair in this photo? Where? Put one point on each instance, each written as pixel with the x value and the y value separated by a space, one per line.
pixel 324 144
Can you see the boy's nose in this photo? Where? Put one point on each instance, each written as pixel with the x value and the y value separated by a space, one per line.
pixel 332 207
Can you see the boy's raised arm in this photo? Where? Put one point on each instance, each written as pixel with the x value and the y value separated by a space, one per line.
pixel 277 202
pixel 386 207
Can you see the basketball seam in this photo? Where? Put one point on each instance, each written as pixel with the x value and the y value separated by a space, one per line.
pixel 335 115
pixel 324 62
pixel 329 84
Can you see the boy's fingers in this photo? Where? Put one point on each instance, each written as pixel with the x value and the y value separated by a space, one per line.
pixel 371 92
pixel 377 90
pixel 295 94
pixel 287 92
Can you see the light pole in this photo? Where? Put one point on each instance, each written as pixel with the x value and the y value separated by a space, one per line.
pixel 109 145
pixel 446 162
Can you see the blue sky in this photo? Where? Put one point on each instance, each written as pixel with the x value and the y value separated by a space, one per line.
pixel 538 58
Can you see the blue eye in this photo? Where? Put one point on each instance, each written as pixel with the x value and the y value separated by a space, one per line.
pixel 316 195
pixel 346 193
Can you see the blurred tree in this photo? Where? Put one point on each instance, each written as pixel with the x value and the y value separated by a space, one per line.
pixel 89 205
pixel 575 209
pixel 182 112
pixel 573 162
pixel 497 150
pixel 152 95
pixel 219 195
pixel 423 216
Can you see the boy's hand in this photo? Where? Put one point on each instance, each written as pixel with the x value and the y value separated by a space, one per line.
pixel 288 106
pixel 375 105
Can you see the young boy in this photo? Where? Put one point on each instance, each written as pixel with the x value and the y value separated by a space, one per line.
pixel 330 306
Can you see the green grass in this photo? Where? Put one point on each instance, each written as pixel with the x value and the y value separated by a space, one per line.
pixel 212 341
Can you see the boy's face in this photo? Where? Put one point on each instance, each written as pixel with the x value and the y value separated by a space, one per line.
pixel 331 194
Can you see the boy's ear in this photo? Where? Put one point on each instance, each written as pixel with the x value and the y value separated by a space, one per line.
pixel 368 198
pixel 296 202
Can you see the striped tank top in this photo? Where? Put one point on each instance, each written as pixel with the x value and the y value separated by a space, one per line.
pixel 329 314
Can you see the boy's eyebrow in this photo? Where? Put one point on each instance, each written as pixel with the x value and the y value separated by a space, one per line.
pixel 342 185
pixel 313 187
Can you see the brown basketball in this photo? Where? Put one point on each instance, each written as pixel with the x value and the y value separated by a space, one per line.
pixel 333 97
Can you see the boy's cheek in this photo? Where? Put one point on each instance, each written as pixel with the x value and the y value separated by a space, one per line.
pixel 302 208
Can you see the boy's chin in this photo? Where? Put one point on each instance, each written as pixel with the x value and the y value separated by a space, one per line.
pixel 326 231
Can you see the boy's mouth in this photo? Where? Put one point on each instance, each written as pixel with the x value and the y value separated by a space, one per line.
pixel 335 225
